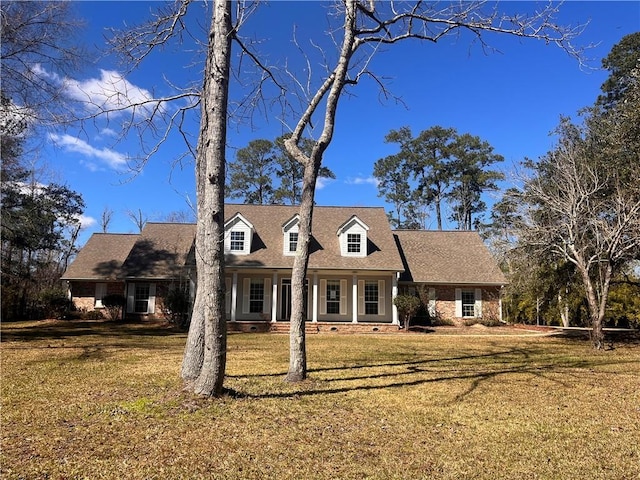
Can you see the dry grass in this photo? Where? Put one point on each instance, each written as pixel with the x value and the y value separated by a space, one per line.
pixel 98 400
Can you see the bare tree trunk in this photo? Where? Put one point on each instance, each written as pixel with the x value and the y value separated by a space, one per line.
pixel 596 305
pixel 297 343
pixel 207 342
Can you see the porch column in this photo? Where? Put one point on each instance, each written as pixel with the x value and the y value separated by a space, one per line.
pixel 274 297
pixel 354 299
pixel 234 296
pixel 314 301
pixel 394 294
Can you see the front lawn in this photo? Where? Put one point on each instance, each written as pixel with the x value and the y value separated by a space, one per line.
pixel 99 400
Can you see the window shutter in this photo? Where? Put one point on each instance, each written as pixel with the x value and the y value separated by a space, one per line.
pixel 458 303
pixel 246 285
pixel 227 294
pixel 101 291
pixel 381 297
pixel 266 299
pixel 360 297
pixel 151 304
pixel 478 303
pixel 432 302
pixel 343 297
pixel 131 290
pixel 323 297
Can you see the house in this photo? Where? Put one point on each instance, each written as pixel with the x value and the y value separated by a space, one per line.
pixel 357 265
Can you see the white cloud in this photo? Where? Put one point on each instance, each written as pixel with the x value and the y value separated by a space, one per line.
pixel 87 221
pixel 322 182
pixel 362 181
pixel 112 93
pixel 113 159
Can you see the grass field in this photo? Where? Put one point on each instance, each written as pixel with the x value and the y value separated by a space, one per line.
pixel 98 400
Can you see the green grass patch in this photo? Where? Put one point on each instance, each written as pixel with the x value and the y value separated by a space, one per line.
pixel 101 400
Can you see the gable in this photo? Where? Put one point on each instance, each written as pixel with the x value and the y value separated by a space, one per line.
pixel 238 235
pixel 352 236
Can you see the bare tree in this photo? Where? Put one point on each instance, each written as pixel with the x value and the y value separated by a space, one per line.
pixel 39 45
pixel 105 219
pixel 205 355
pixel 137 217
pixel 584 210
pixel 375 24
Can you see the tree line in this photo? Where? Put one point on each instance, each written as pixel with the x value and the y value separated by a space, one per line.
pixel 569 235
pixel 438 165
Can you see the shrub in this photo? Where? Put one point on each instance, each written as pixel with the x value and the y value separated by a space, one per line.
pixel 177 305
pixel 114 304
pixel 407 306
pixel 92 315
pixel 55 303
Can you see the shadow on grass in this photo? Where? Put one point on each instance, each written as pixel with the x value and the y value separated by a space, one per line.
pixel 64 329
pixel 516 361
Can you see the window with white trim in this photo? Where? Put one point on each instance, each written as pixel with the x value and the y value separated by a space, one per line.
pixel 293 242
pixel 371 297
pixel 256 295
pixel 468 303
pixel 236 241
pixel 354 242
pixel 333 296
pixel 141 298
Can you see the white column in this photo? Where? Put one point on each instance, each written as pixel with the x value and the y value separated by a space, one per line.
pixel 234 296
pixel 314 306
pixel 274 297
pixel 394 294
pixel 354 299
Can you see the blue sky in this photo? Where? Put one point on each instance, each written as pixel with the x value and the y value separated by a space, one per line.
pixel 512 98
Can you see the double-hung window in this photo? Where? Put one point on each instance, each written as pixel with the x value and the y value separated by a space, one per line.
pixel 468 303
pixel 141 298
pixel 293 242
pixel 256 295
pixel 236 241
pixel 333 296
pixel 371 297
pixel 353 242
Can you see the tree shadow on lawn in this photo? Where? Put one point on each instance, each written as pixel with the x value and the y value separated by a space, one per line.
pixel 63 329
pixel 437 370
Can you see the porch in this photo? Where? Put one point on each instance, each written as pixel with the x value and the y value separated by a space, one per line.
pixel 312 327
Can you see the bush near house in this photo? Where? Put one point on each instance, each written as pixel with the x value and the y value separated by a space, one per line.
pixel 114 304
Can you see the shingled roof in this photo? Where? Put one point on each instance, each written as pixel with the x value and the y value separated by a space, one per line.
pixel 161 251
pixel 102 257
pixel 267 248
pixel 441 257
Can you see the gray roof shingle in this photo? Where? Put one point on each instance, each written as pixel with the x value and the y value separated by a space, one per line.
pixel 447 257
pixel 267 248
pixel 102 257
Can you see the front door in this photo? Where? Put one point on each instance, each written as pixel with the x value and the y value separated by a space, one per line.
pixel 285 299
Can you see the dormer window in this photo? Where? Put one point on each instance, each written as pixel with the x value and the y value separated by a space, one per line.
pixel 237 235
pixel 236 241
pixel 353 238
pixel 290 235
pixel 293 242
pixel 354 242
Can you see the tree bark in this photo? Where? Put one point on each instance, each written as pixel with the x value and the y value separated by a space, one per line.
pixel 297 340
pixel 204 361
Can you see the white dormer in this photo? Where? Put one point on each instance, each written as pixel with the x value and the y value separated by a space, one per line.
pixel 290 235
pixel 353 238
pixel 238 232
